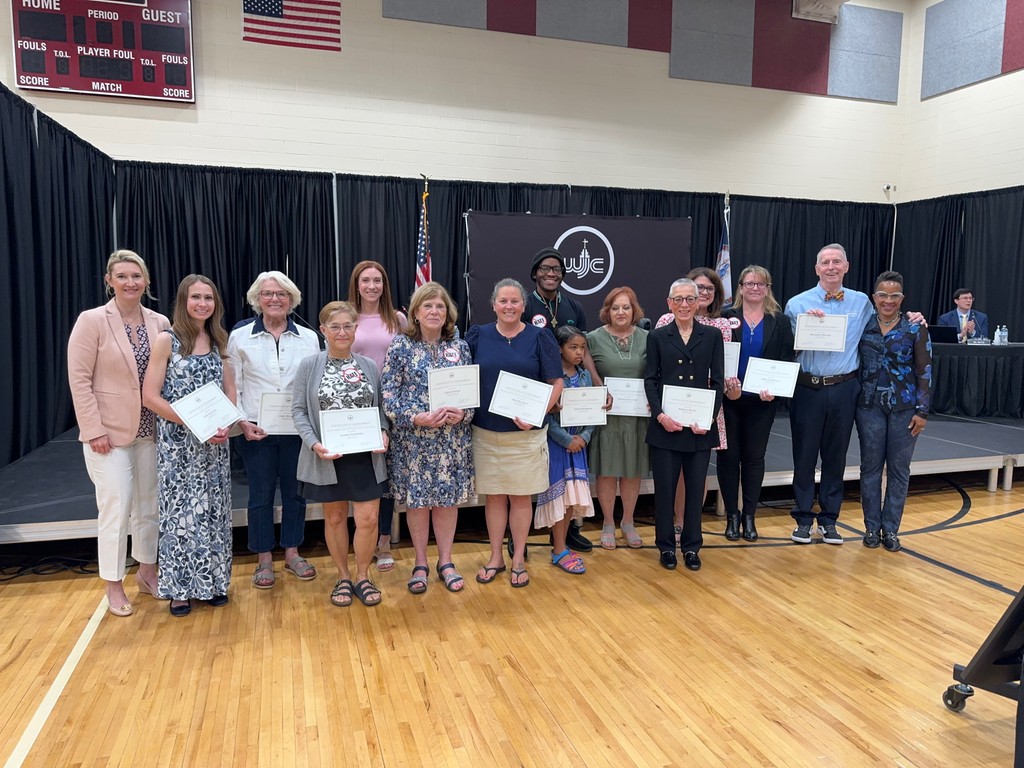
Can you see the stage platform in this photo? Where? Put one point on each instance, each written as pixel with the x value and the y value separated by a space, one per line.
pixel 47 495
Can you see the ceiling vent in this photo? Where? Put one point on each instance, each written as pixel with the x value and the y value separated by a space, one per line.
pixel 817 10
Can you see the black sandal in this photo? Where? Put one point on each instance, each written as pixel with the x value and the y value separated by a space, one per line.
pixel 453 580
pixel 341 596
pixel 368 594
pixel 418 584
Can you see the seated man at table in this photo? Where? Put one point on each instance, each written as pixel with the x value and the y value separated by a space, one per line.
pixel 971 323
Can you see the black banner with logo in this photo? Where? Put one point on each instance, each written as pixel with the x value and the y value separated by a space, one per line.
pixel 600 252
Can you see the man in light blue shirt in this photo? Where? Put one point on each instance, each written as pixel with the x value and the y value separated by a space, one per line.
pixel 822 411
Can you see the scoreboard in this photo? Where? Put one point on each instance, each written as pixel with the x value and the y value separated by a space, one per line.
pixel 131 48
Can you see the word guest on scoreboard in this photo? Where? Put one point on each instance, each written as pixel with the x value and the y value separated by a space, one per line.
pixel 140 49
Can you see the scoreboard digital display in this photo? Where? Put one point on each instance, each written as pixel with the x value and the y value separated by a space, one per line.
pixel 139 49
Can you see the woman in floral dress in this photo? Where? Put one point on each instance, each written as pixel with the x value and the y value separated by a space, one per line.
pixel 193 478
pixel 430 462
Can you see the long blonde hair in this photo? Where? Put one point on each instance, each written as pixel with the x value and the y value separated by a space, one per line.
pixel 771 305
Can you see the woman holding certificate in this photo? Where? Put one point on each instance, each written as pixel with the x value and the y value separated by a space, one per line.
pixel 369 291
pixel 108 352
pixel 194 477
pixel 341 380
pixel 618 453
pixel 264 353
pixel 764 332
pixel 895 395
pixel 682 357
pixel 510 456
pixel 430 461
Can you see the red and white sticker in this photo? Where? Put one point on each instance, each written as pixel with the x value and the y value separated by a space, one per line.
pixel 540 321
pixel 734 323
pixel 352 375
pixel 451 354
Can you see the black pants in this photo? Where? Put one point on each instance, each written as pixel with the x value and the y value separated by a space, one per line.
pixel 748 424
pixel 822 423
pixel 665 468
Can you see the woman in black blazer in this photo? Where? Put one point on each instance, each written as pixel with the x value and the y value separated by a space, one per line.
pixel 762 331
pixel 681 354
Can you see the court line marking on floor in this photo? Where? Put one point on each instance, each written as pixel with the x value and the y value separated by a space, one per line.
pixel 46 706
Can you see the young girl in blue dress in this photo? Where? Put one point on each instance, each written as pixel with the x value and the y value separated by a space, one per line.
pixel 568 497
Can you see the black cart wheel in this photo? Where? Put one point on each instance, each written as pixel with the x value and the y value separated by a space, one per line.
pixel 955 697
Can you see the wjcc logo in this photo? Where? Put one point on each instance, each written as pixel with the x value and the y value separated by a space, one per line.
pixel 589 260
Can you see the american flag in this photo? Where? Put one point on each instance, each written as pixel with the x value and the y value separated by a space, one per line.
pixel 423 247
pixel 723 266
pixel 296 23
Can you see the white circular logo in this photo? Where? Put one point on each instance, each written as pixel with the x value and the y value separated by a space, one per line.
pixel 589 262
pixel 451 355
pixel 540 321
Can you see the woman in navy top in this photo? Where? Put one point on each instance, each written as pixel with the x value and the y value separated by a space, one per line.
pixel 762 331
pixel 510 456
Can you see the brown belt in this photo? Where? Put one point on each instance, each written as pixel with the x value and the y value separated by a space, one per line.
pixel 817 382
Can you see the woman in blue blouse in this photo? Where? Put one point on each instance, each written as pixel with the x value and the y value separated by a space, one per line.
pixel 510 456
pixel 430 461
pixel 895 379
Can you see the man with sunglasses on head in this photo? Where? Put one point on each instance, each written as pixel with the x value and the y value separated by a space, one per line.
pixel 547 307
pixel 822 410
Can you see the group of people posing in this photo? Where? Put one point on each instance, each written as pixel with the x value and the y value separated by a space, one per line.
pixel 154 479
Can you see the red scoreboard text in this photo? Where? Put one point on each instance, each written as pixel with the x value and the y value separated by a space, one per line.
pixel 139 49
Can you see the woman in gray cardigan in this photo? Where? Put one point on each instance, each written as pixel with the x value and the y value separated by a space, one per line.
pixel 333 380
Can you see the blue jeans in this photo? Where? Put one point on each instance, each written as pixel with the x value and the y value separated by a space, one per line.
pixel 884 439
pixel 270 460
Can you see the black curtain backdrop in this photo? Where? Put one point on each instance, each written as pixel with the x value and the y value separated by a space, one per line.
pixel 929 238
pixel 55 216
pixel 993 257
pixel 784 236
pixel 229 224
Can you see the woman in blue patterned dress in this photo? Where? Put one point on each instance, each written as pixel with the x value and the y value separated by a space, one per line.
pixel 430 461
pixel 895 395
pixel 193 478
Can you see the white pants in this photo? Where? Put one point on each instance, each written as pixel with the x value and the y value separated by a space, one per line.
pixel 125 481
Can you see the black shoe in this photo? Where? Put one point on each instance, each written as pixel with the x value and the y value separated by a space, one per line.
pixel 180 610
pixel 891 541
pixel 511 547
pixel 217 601
pixel 692 560
pixel 668 560
pixel 830 534
pixel 801 534
pixel 749 529
pixel 574 540
pixel 872 540
pixel 732 526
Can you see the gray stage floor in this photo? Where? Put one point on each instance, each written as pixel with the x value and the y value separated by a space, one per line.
pixel 47 494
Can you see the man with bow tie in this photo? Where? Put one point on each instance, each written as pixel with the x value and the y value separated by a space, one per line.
pixel 825 401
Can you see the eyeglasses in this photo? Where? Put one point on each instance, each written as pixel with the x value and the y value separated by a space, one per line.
pixel 705 288
pixel 273 294
pixel 759 286
pixel 883 296
pixel 544 269
pixel 336 329
pixel 677 300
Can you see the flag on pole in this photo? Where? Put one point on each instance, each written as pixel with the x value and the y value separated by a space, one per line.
pixel 423 245
pixel 296 23
pixel 722 266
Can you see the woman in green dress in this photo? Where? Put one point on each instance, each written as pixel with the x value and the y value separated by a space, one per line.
pixel 618 451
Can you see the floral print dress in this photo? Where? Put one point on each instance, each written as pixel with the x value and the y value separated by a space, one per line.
pixel 427 466
pixel 194 490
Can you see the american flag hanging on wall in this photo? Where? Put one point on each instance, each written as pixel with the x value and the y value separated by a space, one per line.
pixel 296 23
pixel 423 245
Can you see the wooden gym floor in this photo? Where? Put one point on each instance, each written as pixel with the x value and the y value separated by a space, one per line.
pixel 773 655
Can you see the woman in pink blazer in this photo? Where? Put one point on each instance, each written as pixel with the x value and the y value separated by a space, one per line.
pixel 108 352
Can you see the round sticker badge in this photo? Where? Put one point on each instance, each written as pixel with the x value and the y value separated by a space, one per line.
pixel 451 355
pixel 540 321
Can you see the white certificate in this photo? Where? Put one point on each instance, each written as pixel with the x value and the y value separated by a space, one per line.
pixel 455 387
pixel 522 398
pixel 732 359
pixel 206 410
pixel 583 407
pixel 689 406
pixel 822 334
pixel 276 414
pixel 628 397
pixel 777 377
pixel 351 430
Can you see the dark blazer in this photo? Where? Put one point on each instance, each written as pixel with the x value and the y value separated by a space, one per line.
pixel 980 323
pixel 701 365
pixel 778 335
